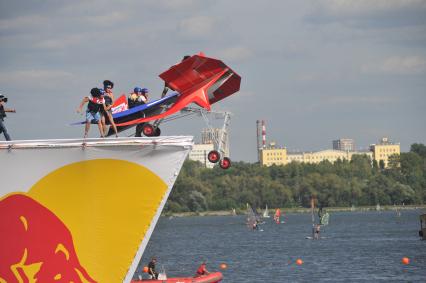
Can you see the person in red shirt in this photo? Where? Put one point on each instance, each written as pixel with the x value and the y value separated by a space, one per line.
pixel 202 270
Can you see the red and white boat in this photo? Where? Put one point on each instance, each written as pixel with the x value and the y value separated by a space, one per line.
pixel 209 278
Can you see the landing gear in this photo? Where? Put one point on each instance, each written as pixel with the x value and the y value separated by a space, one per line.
pixel 157 132
pixel 147 130
pixel 213 156
pixel 139 128
pixel 225 163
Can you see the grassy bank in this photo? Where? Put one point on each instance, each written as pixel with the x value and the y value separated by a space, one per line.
pixel 296 210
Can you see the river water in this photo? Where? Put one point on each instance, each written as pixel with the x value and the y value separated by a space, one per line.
pixel 357 247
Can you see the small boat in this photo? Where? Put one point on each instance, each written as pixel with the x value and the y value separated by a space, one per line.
pixel 422 231
pixel 209 278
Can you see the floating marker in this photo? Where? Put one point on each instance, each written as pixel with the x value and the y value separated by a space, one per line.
pixel 299 261
pixel 223 266
pixel 405 260
pixel 145 269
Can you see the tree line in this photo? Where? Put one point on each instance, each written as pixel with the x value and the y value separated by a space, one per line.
pixel 357 182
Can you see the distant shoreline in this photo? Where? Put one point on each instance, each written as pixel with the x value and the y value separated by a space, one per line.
pixel 295 210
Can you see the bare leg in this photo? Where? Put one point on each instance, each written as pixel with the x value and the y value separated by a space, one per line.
pixel 86 129
pixel 103 125
pixel 101 130
pixel 111 120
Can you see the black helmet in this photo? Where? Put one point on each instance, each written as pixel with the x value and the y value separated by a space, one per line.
pixel 3 98
pixel 108 83
pixel 95 92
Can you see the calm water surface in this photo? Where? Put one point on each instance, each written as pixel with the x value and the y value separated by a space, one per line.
pixel 358 247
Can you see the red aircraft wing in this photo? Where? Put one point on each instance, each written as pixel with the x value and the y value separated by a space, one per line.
pixel 199 80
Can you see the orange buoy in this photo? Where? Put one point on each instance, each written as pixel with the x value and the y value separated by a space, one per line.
pixel 299 261
pixel 145 269
pixel 405 260
pixel 223 266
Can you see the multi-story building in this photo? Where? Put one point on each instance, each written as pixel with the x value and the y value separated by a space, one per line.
pixel 384 150
pixel 329 154
pixel 344 144
pixel 199 153
pixel 272 155
pixel 209 136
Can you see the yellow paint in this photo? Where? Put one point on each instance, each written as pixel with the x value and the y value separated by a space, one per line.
pixel 30 270
pixel 108 206
pixel 61 248
pixel 57 277
pixel 24 221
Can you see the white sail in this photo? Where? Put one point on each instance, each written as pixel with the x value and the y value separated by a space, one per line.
pixel 266 212
pixel 251 217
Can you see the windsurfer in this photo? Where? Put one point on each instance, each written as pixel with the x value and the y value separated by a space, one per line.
pixel 151 269
pixel 316 231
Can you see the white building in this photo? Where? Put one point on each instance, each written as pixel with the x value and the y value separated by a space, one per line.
pixel 199 153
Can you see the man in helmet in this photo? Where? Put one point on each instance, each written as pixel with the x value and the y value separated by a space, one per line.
pixel 137 97
pixel 107 113
pixel 93 113
pixel 3 110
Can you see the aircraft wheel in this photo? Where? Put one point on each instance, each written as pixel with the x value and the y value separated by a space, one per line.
pixel 225 163
pixel 157 132
pixel 148 130
pixel 213 156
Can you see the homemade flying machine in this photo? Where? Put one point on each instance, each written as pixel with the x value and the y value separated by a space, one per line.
pixel 198 80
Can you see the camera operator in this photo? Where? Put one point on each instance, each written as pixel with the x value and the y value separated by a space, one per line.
pixel 3 110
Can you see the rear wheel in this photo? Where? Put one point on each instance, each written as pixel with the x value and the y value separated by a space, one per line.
pixel 148 130
pixel 225 163
pixel 213 156
pixel 157 132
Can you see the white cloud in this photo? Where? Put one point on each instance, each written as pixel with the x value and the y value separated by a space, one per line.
pixel 24 23
pixel 353 7
pixel 404 65
pixel 61 42
pixel 177 4
pixel 235 54
pixel 46 79
pixel 107 20
pixel 196 27
pixel 358 99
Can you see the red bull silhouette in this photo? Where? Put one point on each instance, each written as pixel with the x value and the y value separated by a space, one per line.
pixel 35 245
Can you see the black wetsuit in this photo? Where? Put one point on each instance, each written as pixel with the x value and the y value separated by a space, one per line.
pixel 151 269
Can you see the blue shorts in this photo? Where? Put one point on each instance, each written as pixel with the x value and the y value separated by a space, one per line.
pixel 92 117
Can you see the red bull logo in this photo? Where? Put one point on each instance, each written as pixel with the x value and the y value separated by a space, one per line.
pixel 35 244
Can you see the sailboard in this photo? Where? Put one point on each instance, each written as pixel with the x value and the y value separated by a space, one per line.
pixel 68 212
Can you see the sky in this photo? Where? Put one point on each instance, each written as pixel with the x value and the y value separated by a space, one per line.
pixel 314 70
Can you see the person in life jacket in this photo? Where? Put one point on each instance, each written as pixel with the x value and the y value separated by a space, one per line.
pixel 93 113
pixel 3 110
pixel 202 270
pixel 107 112
pixel 151 268
pixel 138 97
